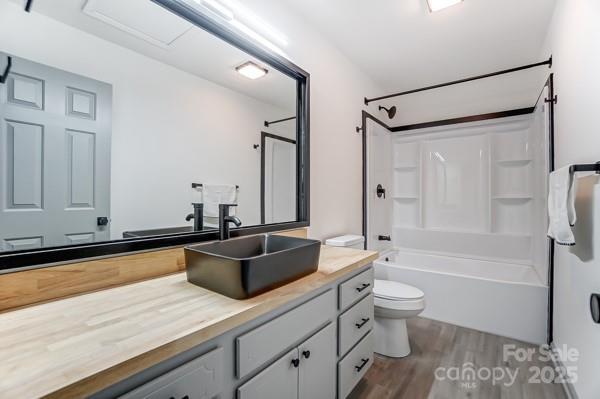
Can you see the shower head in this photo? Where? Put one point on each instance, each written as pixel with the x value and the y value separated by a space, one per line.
pixel 390 111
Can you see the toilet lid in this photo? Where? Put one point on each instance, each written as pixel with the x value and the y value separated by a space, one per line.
pixel 394 290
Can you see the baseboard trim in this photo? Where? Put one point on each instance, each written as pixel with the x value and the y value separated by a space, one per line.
pixel 567 386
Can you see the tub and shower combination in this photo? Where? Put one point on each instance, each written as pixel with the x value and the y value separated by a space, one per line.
pixel 465 207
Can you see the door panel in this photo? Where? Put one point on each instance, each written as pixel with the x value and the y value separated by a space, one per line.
pixel 317 372
pixel 279 380
pixel 55 130
pixel 81 153
pixel 25 91
pixel 18 244
pixel 24 170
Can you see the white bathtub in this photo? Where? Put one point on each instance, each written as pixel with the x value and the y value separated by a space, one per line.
pixel 500 298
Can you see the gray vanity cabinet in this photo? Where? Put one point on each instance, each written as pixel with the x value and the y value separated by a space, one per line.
pixel 318 347
pixel 306 372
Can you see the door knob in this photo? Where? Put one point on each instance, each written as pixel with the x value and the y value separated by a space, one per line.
pixel 306 354
pixel 295 362
pixel 102 221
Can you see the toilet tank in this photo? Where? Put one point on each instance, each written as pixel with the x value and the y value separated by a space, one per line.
pixel 347 241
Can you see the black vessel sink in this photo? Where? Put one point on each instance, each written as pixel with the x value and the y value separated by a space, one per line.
pixel 244 267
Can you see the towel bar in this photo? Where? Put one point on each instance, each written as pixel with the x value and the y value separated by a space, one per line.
pixel 590 167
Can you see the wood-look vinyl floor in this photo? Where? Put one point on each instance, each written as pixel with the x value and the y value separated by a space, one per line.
pixel 435 344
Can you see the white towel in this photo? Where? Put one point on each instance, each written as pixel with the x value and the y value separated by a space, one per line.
pixel 215 194
pixel 561 206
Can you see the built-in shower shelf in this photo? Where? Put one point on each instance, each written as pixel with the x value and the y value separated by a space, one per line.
pixel 513 197
pixel 405 197
pixel 405 167
pixel 513 162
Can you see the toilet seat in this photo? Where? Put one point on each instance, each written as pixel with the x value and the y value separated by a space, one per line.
pixel 395 291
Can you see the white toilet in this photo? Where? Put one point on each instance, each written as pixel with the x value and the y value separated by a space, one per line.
pixel 394 303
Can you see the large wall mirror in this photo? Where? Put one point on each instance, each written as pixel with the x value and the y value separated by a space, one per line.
pixel 123 125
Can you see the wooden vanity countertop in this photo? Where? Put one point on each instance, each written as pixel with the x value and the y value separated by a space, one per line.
pixel 77 346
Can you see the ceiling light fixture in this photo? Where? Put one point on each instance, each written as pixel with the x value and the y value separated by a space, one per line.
pixel 437 5
pixel 246 16
pixel 218 9
pixel 244 21
pixel 251 70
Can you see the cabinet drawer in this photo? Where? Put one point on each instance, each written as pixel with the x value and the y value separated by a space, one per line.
pixel 355 323
pixel 356 288
pixel 260 345
pixel 202 378
pixel 354 366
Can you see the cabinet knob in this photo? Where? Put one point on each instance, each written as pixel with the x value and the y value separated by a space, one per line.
pixel 363 287
pixel 306 354
pixel 364 321
pixel 295 362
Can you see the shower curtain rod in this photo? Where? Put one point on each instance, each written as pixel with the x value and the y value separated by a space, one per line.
pixel 489 75
pixel 267 123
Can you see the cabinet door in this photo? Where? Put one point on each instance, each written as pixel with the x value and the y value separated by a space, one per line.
pixel 279 380
pixel 317 365
pixel 202 378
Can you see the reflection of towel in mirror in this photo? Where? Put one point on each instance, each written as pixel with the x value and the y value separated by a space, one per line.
pixel 561 206
pixel 215 194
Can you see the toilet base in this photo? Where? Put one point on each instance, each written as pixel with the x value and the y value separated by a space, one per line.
pixel 391 337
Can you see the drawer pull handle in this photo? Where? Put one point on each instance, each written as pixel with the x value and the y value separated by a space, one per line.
pixel 362 365
pixel 364 321
pixel 306 354
pixel 295 362
pixel 363 287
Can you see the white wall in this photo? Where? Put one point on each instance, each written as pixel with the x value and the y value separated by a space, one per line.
pixel 337 91
pixel 170 128
pixel 501 93
pixel 573 38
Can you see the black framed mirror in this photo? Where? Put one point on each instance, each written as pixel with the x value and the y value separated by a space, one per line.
pixel 118 117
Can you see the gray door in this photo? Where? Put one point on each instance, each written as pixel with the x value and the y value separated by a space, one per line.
pixel 279 380
pixel 317 366
pixel 55 130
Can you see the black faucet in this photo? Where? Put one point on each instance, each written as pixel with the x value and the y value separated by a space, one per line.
pixel 225 219
pixel 198 217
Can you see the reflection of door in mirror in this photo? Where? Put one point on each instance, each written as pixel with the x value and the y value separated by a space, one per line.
pixel 278 173
pixel 55 177
pixel 180 112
